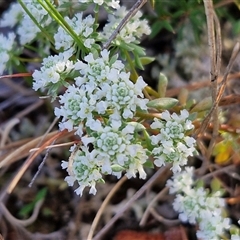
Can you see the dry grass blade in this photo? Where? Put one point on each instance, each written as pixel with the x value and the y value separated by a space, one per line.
pixel 131 201
pixel 103 206
pixel 27 163
pixel 214 41
pixel 23 151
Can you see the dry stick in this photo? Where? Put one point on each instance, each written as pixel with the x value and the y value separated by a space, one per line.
pixel 215 85
pixel 29 160
pixel 22 151
pixel 47 153
pixel 235 52
pixel 209 11
pixel 161 219
pixel 103 206
pixel 228 69
pixel 198 85
pixel 218 98
pixel 124 21
pixel 150 205
pixel 54 146
pixel 8 127
pixel 23 222
pixel 130 202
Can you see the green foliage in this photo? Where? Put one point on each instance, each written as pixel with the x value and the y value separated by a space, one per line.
pixel 28 208
pixel 162 103
pixel 172 16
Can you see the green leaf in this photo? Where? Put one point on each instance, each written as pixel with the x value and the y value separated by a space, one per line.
pixel 168 26
pixel 162 103
pixel 28 208
pixel 203 105
pixel 146 60
pixel 117 168
pixel 162 85
pixel 192 116
pixel 156 27
pixel 152 2
pixel 138 62
pixel 215 185
pixel 199 183
pixel 148 164
pixel 138 126
pixel 126 46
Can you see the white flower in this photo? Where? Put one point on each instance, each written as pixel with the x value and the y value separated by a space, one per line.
pixel 82 27
pixel 235 237
pixel 75 108
pixel 27 30
pixel 198 206
pixel 212 227
pixel 7 44
pixel 124 95
pixel 131 32
pixel 171 145
pixel 136 160
pixel 12 16
pixel 100 70
pixel 84 170
pixel 105 3
pixel 104 79
pixel 53 67
pixel 182 181
pixel 114 145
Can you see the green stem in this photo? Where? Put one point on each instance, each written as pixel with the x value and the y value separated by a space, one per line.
pixel 132 67
pixel 52 11
pixel 36 60
pixel 96 10
pixel 146 116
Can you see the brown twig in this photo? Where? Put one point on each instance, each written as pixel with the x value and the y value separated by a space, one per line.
pixel 167 222
pixel 214 41
pixel 103 206
pixel 198 85
pixel 130 202
pixel 151 204
pixel 22 222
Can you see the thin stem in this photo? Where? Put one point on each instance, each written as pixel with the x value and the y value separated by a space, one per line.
pixel 150 205
pixel 60 20
pixel 103 206
pixel 134 73
pixel 139 193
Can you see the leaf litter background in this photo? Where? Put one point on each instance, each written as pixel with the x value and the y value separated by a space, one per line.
pixel 65 216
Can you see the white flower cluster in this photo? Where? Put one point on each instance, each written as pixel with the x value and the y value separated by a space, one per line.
pixel 197 206
pixel 131 32
pixel 171 145
pixel 27 30
pixel 114 150
pixel 7 44
pixel 102 88
pixel 53 72
pixel 82 27
pixel 105 3
pixel 12 16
